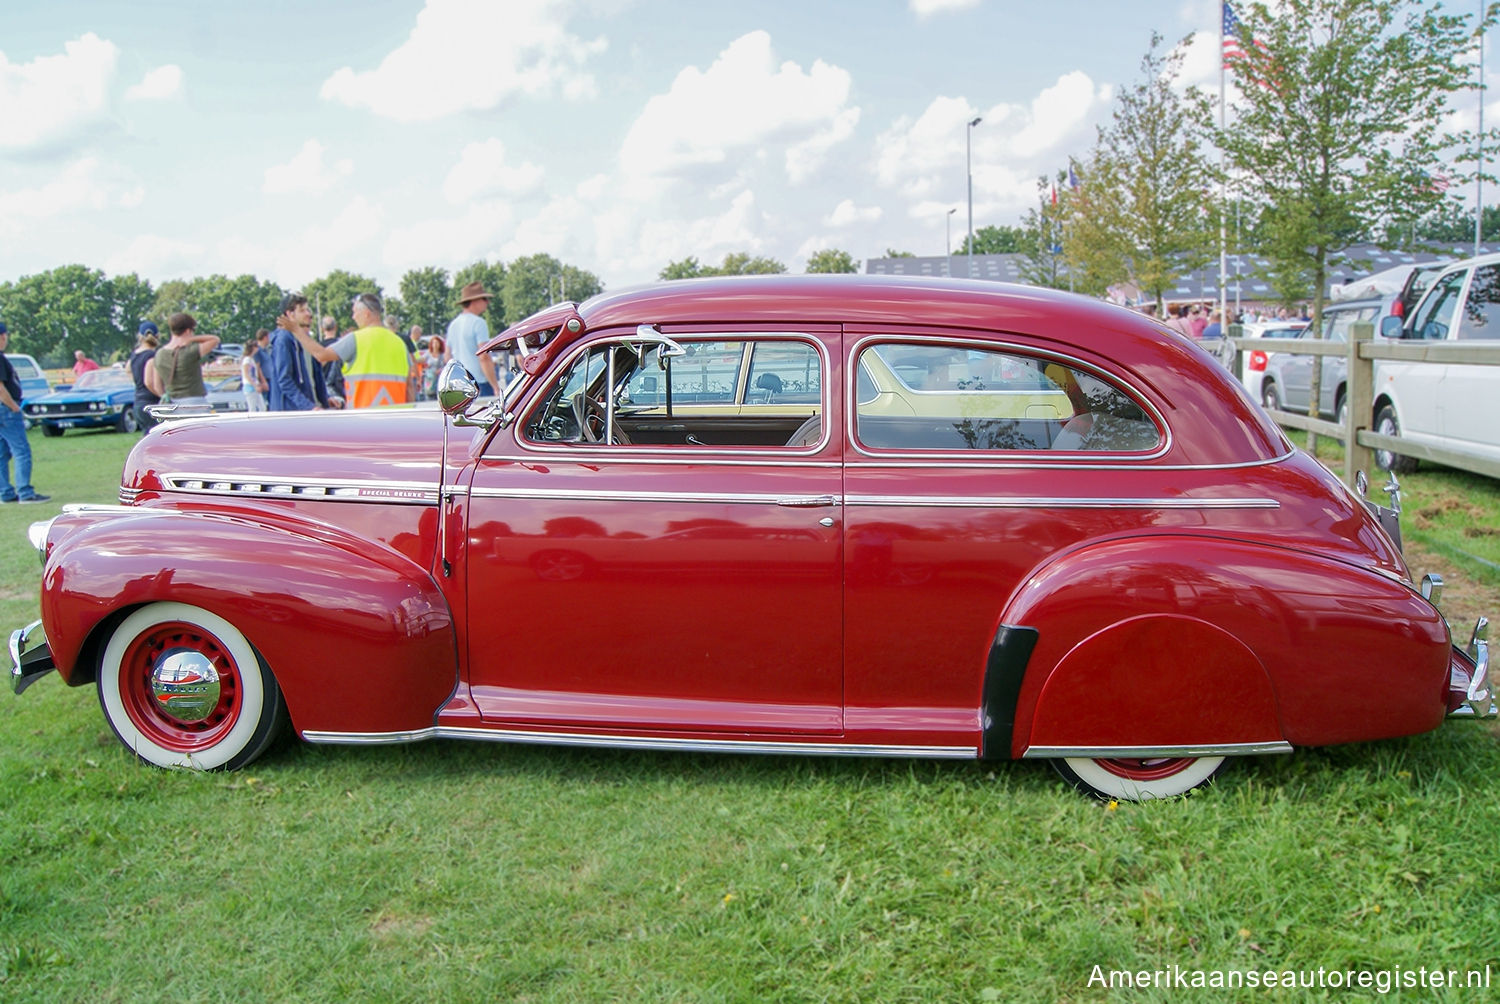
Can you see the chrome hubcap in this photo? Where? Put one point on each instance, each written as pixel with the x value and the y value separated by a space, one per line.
pixel 185 685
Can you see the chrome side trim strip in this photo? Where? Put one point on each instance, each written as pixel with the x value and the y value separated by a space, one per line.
pixel 991 502
pixel 329 489
pixel 727 498
pixel 777 747
pixel 1094 752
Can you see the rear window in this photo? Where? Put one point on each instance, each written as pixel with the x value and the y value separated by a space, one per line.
pixel 946 397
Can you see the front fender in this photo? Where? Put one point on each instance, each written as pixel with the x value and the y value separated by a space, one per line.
pixel 1178 640
pixel 358 637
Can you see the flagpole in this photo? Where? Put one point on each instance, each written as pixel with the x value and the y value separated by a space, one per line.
pixel 1223 196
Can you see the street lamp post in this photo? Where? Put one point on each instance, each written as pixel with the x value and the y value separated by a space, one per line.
pixel 969 167
pixel 948 239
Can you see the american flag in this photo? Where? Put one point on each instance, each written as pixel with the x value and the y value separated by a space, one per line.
pixel 1235 37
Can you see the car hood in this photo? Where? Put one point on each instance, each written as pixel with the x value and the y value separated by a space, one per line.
pixel 82 396
pixel 396 447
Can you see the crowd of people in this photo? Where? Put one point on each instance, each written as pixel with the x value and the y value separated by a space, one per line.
pixel 288 368
pixel 284 368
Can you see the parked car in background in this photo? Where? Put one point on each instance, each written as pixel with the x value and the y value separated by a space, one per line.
pixel 97 399
pixel 1255 360
pixel 1448 406
pixel 226 395
pixel 1038 526
pixel 1287 382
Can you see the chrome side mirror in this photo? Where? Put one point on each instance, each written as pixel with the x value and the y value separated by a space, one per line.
pixel 456 389
pixel 457 393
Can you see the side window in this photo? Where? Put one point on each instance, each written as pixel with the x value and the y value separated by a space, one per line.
pixel 1435 312
pixel 1482 309
pixel 784 373
pixel 940 397
pixel 694 394
pixel 25 368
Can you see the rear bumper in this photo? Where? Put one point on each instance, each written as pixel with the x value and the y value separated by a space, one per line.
pixel 30 656
pixel 1470 693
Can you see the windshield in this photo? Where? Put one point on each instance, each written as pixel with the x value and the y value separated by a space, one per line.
pixel 102 380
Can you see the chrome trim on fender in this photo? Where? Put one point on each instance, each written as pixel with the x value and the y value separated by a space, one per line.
pixel 1098 752
pixel 777 747
pixel 1042 460
pixel 327 489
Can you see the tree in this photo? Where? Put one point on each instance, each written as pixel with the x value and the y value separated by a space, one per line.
pixel 893 253
pixel 994 240
pixel 333 296
pixel 234 309
pixel 427 297
pixel 687 268
pixel 831 260
pixel 1139 209
pixel 1041 243
pixel 540 280
pixel 492 277
pixel 64 309
pixel 740 263
pixel 133 298
pixel 1362 90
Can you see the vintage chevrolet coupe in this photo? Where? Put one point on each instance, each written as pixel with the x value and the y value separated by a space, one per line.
pixel 829 515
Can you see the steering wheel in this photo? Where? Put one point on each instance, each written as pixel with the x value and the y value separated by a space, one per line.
pixel 593 419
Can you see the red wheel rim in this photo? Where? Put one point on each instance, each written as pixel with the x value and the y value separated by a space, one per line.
pixel 1153 769
pixel 140 704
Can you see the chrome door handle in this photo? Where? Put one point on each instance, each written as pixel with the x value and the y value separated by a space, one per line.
pixel 808 502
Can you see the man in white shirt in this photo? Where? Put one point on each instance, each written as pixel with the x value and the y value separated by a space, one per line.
pixel 467 332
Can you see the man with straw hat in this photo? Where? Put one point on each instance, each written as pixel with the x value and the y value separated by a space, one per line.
pixel 467 332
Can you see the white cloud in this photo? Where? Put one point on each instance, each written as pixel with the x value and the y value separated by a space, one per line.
pixel 482 170
pixel 470 55
pixel 157 85
pixel 52 96
pixel 927 8
pixel 925 159
pixel 743 102
pixel 154 255
pixel 84 185
pixel 846 214
pixel 346 241
pixel 306 173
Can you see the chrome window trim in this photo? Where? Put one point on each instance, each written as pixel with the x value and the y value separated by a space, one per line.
pixel 696 745
pixel 1068 458
pixel 598 450
pixel 1209 749
pixel 318 489
pixel 942 463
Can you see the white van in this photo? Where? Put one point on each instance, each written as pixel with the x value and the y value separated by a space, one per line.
pixel 1447 406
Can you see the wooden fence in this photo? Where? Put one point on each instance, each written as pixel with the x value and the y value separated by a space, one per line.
pixel 1361 351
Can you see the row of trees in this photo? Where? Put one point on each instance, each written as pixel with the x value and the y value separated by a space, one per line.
pixel 74 307
pixel 1337 137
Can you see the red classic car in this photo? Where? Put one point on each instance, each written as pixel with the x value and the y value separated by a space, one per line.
pixel 825 515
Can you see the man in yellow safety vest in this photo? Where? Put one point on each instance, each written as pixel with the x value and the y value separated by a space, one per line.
pixel 377 367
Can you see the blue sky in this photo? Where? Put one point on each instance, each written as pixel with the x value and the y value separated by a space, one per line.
pixel 282 138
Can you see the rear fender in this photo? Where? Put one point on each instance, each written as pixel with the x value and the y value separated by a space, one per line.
pixel 1178 641
pixel 358 637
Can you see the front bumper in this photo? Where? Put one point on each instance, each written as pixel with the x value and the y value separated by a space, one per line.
pixel 30 656
pixel 1470 693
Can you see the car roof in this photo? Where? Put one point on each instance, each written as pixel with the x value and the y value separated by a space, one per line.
pixel 1179 375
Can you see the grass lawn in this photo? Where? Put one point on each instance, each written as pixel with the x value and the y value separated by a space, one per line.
pixel 456 872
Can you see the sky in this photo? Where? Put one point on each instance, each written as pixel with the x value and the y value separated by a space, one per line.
pixel 286 138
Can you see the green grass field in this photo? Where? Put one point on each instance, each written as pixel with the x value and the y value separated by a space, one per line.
pixel 478 872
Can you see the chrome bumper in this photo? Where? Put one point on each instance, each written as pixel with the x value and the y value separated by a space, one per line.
pixel 30 657
pixel 1470 693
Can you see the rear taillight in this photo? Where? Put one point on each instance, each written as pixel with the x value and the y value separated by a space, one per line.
pixel 1258 361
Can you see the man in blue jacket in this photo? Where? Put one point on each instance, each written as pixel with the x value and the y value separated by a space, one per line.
pixel 296 381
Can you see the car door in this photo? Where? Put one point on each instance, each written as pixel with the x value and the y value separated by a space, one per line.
pixel 1418 387
pixel 687 585
pixel 1469 398
pixel 951 472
